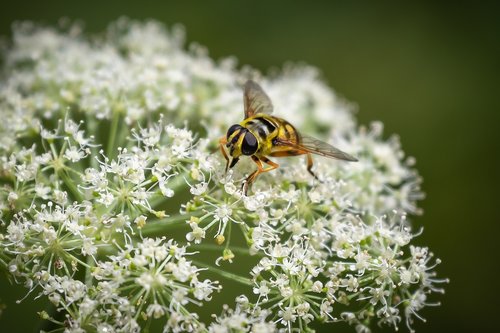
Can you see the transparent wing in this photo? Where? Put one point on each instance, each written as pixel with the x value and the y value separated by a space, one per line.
pixel 312 145
pixel 256 100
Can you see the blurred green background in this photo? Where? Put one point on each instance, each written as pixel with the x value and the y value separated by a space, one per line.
pixel 428 71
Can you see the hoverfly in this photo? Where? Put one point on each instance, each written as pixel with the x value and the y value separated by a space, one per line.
pixel 260 134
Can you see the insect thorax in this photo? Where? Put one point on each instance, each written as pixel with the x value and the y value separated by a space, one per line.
pixel 267 128
pixel 264 128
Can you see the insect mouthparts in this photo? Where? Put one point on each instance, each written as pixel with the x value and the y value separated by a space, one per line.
pixel 233 162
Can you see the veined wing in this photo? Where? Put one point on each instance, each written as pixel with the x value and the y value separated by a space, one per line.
pixel 256 100
pixel 312 145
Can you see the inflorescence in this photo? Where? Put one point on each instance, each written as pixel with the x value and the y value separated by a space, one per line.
pixel 116 207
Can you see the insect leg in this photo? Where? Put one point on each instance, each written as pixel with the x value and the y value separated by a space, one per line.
pixel 310 165
pixel 271 164
pixel 248 182
pixel 222 142
pixel 260 169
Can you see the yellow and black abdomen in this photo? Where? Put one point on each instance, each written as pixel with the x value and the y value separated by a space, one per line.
pixel 288 133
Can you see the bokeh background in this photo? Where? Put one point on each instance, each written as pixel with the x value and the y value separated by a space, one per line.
pixel 430 72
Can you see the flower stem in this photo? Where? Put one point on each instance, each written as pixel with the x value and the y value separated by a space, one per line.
pixel 88 271
pixel 176 184
pixel 160 226
pixel 213 247
pixel 70 185
pixel 112 135
pixel 225 274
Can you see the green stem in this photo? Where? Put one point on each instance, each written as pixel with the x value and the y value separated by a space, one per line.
pixel 92 128
pixel 106 249
pixel 175 184
pixel 3 263
pixel 45 323
pixel 70 185
pixel 88 271
pixel 213 247
pixel 112 135
pixel 160 226
pixel 228 234
pixel 225 274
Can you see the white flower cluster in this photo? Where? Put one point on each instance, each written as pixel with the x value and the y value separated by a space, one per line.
pixel 114 198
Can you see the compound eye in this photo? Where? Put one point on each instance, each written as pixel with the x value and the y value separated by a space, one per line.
pixel 249 145
pixel 231 130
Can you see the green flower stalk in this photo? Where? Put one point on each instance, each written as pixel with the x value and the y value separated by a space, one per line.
pixel 117 208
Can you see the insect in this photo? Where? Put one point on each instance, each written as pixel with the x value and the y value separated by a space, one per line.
pixel 261 134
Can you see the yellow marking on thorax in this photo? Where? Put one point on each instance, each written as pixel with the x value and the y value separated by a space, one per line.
pixel 257 126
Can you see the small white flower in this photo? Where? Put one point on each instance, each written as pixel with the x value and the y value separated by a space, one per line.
pixel 42 191
pixel 262 290
pixel 74 154
pixel 156 310
pixel 61 197
pixel 203 290
pixel 140 221
pixel 287 316
pixel 197 235
pixel 351 284
pixel 199 189
pixel 317 286
pixel 222 213
pixel 12 197
pixel 362 260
